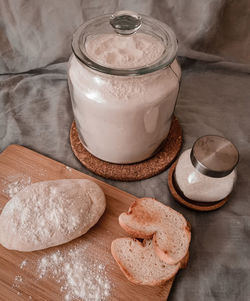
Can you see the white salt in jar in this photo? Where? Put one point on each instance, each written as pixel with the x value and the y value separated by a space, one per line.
pixel 123 80
pixel 206 173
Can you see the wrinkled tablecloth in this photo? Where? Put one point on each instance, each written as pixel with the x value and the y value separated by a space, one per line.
pixel 214 52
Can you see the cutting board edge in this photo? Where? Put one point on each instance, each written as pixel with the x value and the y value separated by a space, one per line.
pixel 100 182
pixel 15 147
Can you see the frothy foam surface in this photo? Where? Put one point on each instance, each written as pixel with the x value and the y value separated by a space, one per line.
pixel 133 51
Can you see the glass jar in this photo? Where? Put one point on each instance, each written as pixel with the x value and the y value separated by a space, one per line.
pixel 124 81
pixel 206 173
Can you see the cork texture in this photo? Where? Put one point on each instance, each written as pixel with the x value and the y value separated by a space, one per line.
pixel 198 206
pixel 130 172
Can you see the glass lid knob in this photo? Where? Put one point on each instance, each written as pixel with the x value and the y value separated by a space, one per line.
pixel 125 22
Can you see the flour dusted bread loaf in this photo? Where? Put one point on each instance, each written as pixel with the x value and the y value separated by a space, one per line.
pixel 148 218
pixel 47 214
pixel 139 262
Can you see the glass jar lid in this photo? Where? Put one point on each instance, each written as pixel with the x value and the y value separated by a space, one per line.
pixel 214 156
pixel 128 30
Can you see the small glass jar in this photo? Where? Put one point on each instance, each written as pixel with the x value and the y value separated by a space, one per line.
pixel 206 173
pixel 124 81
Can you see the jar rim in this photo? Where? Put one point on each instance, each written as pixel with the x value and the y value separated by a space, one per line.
pixel 160 28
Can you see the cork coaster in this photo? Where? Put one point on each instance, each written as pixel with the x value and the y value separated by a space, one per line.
pixel 198 206
pixel 130 172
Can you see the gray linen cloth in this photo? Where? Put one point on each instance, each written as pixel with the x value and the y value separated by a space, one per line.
pixel 214 50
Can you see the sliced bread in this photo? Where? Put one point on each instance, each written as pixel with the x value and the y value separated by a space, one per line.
pixel 139 263
pixel 148 218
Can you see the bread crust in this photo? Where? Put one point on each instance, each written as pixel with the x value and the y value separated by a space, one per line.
pixel 129 276
pixel 28 223
pixel 161 253
pixel 134 233
pixel 164 256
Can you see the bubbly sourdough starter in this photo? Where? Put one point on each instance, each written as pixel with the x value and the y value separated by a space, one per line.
pixel 123 119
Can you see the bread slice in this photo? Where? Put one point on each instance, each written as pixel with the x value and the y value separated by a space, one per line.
pixel 148 218
pixel 139 263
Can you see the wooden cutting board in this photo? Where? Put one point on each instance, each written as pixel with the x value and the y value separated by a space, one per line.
pixel 21 165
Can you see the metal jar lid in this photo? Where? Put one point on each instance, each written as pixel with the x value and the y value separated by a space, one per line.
pixel 214 156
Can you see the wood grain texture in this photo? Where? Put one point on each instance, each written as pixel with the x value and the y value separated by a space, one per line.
pixel 17 162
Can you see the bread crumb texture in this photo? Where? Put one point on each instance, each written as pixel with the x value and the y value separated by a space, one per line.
pixel 148 218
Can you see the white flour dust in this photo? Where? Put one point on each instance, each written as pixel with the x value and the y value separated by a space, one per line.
pixel 68 168
pixel 17 283
pixel 17 185
pixel 79 277
pixel 23 264
pixel 117 51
